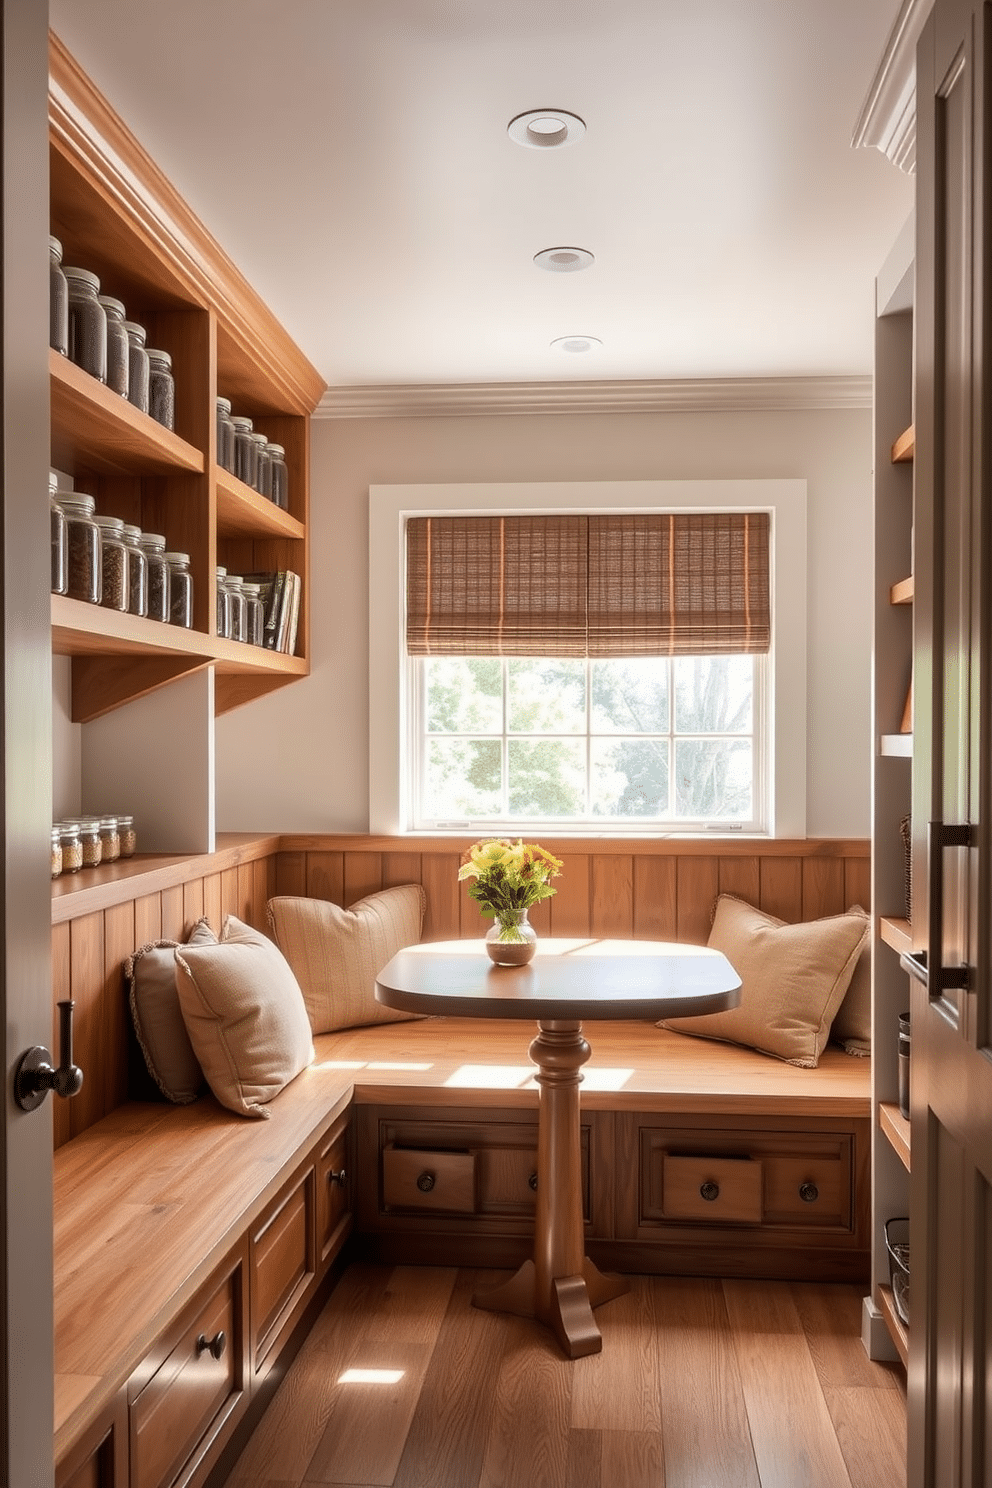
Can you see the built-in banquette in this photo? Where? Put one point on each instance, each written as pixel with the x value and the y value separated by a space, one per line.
pixel 193 1246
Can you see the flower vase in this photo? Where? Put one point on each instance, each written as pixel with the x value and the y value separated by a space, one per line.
pixel 512 940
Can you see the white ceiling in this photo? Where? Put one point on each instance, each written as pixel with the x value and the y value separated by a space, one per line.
pixel 352 158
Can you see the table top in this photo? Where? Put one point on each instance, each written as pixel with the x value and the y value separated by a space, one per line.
pixel 567 980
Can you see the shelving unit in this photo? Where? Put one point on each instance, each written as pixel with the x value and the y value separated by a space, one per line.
pixel 884 1334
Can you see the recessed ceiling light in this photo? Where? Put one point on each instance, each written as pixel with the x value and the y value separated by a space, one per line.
pixel 564 260
pixel 575 345
pixel 546 129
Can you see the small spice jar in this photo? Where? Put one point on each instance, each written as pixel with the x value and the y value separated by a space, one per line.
pixel 72 849
pixel 87 323
pixel 161 389
pixel 111 838
pixel 118 348
pixel 223 604
pixel 263 474
pixel 153 547
pixel 137 366
pixel 279 475
pixel 60 539
pixel 83 539
pixel 225 435
pixel 114 562
pixel 255 614
pixel 244 450
pixel 239 607
pixel 137 571
pixel 91 842
pixel 58 324
pixel 128 836
pixel 180 590
pixel 56 852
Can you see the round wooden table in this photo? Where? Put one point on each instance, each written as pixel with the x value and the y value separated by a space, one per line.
pixel 567 981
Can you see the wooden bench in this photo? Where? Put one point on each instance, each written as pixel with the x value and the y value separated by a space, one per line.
pixel 177 1225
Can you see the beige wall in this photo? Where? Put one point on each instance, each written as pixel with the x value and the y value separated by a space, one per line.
pixel 298 760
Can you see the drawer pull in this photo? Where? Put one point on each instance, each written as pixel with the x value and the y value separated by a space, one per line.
pixel 214 1346
pixel 426 1182
pixel 340 1176
pixel 709 1191
pixel 809 1193
pixel 532 1182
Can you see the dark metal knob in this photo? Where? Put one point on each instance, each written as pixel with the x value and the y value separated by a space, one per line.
pixel 809 1193
pixel 532 1182
pixel 214 1346
pixel 340 1177
pixel 36 1075
pixel 426 1182
pixel 709 1191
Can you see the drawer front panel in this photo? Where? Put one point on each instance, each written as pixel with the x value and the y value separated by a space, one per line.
pixel 172 1414
pixel 812 1190
pixel 334 1190
pixel 429 1181
pixel 281 1261
pixel 508 1180
pixel 712 1189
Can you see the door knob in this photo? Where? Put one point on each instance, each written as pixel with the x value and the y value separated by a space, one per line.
pixel 36 1076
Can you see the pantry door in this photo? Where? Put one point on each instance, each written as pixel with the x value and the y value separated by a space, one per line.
pixel 950 1373
pixel 25 718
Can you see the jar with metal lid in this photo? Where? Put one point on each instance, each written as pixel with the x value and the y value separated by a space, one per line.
pixel 239 607
pixel 128 836
pixel 223 604
pixel 244 450
pixel 161 389
pixel 137 366
pixel 56 852
pixel 137 571
pixel 225 435
pixel 83 540
pixel 118 349
pixel 263 475
pixel 72 848
pixel 111 838
pixel 255 614
pixel 180 590
pixel 87 323
pixel 90 841
pixel 279 475
pixel 153 547
pixel 114 562
pixel 60 539
pixel 58 322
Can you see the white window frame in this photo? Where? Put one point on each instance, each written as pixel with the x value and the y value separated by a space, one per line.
pixel 391 506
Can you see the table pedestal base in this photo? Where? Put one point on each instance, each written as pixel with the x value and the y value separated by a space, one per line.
pixel 560 1286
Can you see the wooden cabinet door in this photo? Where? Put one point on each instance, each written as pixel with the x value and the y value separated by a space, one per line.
pixel 950 1372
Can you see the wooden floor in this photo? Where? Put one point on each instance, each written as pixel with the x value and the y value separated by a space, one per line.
pixel 701 1384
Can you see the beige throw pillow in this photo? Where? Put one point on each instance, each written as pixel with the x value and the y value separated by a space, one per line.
pixel 157 1017
pixel 338 953
pixel 793 979
pixel 852 1025
pixel 245 1016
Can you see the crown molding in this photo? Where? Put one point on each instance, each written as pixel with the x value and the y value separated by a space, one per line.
pixel 697 395
pixel 887 121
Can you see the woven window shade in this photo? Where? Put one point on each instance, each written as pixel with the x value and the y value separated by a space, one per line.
pixel 641 585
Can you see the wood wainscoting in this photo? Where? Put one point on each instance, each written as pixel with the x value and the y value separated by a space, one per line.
pixel 614 887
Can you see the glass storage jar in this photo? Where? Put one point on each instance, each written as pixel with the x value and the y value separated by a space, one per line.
pixel 244 450
pixel 255 614
pixel 225 435
pixel 161 389
pixel 58 322
pixel 118 349
pixel 90 842
pixel 128 836
pixel 72 848
pixel 153 547
pixel 137 572
pixel 56 852
pixel 60 539
pixel 87 323
pixel 180 590
pixel 263 476
pixel 111 838
pixel 85 555
pixel 114 562
pixel 223 604
pixel 239 607
pixel 279 475
pixel 137 366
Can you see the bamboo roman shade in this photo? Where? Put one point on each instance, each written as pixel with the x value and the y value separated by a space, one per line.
pixel 677 584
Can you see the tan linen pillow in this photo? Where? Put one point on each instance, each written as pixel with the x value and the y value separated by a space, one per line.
pixel 852 1025
pixel 245 1016
pixel 793 978
pixel 157 1017
pixel 338 953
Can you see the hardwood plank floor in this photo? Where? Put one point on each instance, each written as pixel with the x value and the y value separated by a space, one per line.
pixel 701 1384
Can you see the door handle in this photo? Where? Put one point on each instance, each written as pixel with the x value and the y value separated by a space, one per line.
pixel 36 1076
pixel 941 835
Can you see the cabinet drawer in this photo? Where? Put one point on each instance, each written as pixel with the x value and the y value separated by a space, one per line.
pixel 712 1189
pixel 282 1262
pixel 334 1195
pixel 429 1181
pixel 813 1189
pixel 172 1415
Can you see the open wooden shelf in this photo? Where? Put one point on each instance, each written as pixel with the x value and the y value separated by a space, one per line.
pixel 896 1129
pixel 902 593
pixel 241 512
pixel 897 933
pixel 896 745
pixel 904 448
pixel 894 1323
pixel 93 425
